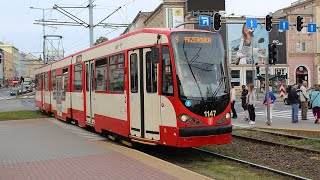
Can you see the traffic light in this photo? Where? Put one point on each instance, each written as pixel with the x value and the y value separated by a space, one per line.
pixel 216 21
pixel 268 23
pixel 258 71
pixel 299 23
pixel 272 53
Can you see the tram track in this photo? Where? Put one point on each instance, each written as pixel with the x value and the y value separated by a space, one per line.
pixel 283 173
pixel 276 144
pixel 285 134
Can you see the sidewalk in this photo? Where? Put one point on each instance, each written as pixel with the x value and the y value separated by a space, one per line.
pixel 51 149
pixel 261 95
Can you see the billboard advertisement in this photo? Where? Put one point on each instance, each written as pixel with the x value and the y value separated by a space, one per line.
pixel 206 5
pixel 247 46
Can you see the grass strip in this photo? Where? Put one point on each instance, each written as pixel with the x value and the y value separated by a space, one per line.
pixel 19 115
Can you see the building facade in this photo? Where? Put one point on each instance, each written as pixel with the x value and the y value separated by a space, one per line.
pixel 12 62
pixel 303 48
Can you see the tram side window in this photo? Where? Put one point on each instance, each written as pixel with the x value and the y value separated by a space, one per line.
pixel 167 79
pixel 101 75
pixel 134 73
pixel 151 77
pixel 78 77
pixel 38 82
pixel 54 84
pixel 65 83
pixel 46 82
pixel 116 73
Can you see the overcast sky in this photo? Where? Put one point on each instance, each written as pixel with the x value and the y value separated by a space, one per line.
pixel 17 28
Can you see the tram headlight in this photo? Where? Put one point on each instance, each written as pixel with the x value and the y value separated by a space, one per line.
pixel 184 117
pixel 228 115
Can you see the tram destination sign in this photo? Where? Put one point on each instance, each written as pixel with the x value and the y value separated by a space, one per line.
pixel 206 5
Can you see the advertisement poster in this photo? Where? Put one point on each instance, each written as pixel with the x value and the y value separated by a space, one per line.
pixel 247 46
pixel 174 17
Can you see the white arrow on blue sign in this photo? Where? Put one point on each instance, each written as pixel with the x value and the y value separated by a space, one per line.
pixel 312 27
pixel 204 20
pixel 251 23
pixel 283 25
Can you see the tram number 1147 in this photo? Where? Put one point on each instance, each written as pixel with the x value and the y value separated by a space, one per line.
pixel 211 113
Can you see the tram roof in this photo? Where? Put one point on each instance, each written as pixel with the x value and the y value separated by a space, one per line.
pixel 166 31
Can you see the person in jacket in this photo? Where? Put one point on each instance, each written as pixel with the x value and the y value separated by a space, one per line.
pixel 272 99
pixel 233 101
pixel 251 100
pixel 295 101
pixel 304 98
pixel 244 103
pixel 315 102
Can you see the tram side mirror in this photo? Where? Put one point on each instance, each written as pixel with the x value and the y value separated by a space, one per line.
pixel 155 54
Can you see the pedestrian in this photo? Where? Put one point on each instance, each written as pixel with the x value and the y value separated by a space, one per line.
pixel 272 99
pixel 294 99
pixel 244 103
pixel 251 100
pixel 315 103
pixel 304 98
pixel 233 101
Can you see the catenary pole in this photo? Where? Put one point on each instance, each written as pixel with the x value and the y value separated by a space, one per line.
pixel 91 22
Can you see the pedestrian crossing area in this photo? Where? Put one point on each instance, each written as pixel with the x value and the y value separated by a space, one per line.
pixel 281 114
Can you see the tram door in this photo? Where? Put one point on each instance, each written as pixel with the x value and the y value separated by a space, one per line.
pixel 144 98
pixel 89 92
pixel 59 96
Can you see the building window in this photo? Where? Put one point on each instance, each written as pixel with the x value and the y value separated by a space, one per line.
pixel 101 75
pixel 167 79
pixel 116 73
pixel 235 77
pixel 151 76
pixel 249 77
pixel 134 73
pixel 301 46
pixel 78 77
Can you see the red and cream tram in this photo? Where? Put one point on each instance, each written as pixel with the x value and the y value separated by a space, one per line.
pixel 153 86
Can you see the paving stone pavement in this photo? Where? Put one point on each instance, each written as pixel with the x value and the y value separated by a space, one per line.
pixel 40 149
pixel 51 149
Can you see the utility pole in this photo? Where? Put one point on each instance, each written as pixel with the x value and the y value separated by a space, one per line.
pixel 44 33
pixel 91 22
pixel 267 92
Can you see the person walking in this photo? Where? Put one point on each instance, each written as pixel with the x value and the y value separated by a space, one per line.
pixel 315 103
pixel 304 98
pixel 251 100
pixel 294 98
pixel 233 100
pixel 272 99
pixel 244 103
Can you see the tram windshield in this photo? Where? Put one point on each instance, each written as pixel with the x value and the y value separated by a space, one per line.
pixel 200 65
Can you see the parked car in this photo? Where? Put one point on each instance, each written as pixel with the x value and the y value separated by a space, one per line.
pixel 287 102
pixel 13 91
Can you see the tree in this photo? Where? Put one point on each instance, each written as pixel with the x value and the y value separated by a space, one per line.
pixel 101 40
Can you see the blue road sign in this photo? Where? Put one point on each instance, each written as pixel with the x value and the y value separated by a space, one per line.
pixel 312 27
pixel 283 25
pixel 251 23
pixel 204 20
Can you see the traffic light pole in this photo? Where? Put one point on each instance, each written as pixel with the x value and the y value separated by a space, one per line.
pixel 267 92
